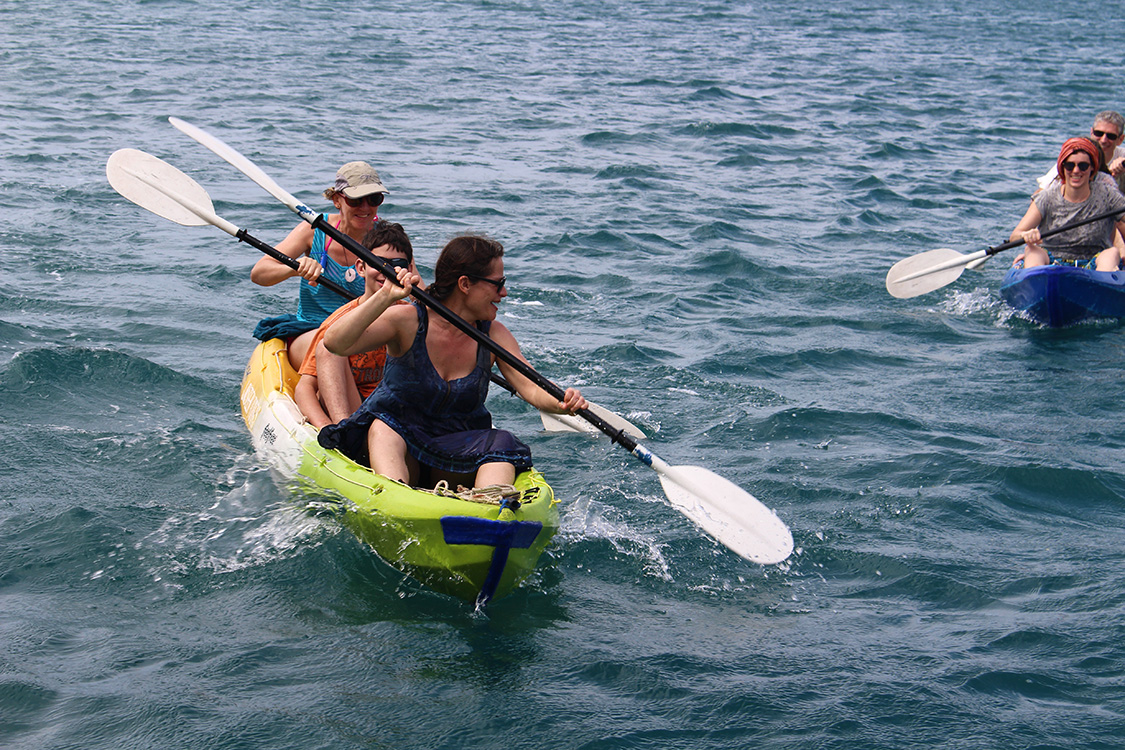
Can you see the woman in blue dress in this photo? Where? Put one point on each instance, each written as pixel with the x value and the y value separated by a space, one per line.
pixel 427 419
pixel 357 195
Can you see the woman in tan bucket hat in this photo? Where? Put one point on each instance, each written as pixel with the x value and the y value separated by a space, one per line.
pixel 357 194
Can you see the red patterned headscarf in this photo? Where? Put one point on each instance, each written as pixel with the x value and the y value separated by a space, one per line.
pixel 1084 145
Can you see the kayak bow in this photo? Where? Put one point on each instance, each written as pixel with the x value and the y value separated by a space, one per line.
pixel 1058 296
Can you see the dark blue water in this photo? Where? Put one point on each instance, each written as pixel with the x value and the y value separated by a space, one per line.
pixel 699 202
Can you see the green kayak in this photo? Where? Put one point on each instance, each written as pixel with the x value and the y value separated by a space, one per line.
pixel 477 549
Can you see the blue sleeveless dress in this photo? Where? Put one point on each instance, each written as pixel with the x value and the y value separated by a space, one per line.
pixel 444 423
pixel 315 303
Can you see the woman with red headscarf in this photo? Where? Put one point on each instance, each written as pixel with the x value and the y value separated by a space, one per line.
pixel 1078 195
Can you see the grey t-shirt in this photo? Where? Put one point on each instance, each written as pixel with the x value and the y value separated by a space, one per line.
pixel 1084 242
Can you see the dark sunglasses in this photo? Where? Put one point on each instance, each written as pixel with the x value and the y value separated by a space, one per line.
pixel 374 200
pixel 395 262
pixel 1081 166
pixel 1100 133
pixel 499 283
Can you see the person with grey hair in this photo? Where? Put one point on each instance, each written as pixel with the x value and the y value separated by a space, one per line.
pixel 1107 131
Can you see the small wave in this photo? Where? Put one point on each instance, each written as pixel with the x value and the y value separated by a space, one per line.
pixel 609 137
pixel 1037 686
pixel 758 131
pixel 39 369
pixel 103 392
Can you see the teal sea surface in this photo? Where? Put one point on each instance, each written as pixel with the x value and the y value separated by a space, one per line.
pixel 699 204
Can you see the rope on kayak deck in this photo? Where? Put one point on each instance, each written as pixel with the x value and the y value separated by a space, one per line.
pixel 493 494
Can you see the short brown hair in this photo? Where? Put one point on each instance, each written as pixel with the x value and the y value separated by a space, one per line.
pixel 389 233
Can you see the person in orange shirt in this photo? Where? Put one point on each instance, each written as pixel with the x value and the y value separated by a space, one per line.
pixel 332 387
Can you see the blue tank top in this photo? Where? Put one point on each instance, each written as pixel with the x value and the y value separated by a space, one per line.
pixel 444 422
pixel 415 394
pixel 316 303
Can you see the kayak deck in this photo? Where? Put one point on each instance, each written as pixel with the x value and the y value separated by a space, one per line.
pixel 473 550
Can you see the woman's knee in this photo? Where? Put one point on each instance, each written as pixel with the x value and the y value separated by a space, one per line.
pixel 495 473
pixel 1109 259
pixel 1035 256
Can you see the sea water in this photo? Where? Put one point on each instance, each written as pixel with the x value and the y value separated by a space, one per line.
pixel 699 204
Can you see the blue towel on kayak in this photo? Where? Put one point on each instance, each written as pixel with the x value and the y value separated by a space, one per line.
pixel 283 327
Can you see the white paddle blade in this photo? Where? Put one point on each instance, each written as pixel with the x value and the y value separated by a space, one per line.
pixel 924 273
pixel 244 165
pixel 133 174
pixel 572 423
pixel 730 514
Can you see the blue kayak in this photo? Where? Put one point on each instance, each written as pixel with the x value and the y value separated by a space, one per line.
pixel 1059 296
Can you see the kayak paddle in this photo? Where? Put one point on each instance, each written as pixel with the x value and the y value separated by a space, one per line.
pixel 729 514
pixel 157 186
pixel 932 270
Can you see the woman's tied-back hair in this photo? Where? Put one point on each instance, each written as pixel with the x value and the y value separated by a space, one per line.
pixel 1086 146
pixel 389 233
pixel 467 255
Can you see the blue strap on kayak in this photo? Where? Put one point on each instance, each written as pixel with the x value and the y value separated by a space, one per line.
pixel 501 535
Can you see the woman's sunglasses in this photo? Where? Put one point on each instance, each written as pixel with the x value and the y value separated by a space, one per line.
pixel 499 283
pixel 374 200
pixel 1081 166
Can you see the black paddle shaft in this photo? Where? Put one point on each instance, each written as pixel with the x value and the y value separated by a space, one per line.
pixel 1050 232
pixel 618 436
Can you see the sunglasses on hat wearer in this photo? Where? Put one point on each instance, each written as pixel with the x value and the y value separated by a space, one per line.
pixel 374 200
